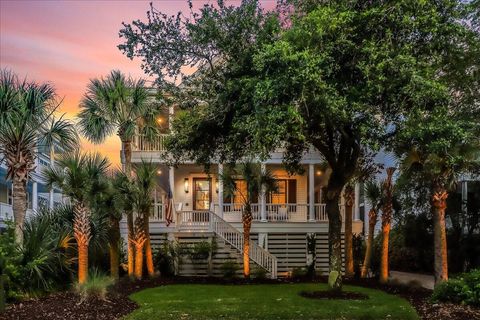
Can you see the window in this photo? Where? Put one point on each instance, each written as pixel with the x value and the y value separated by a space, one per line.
pixel 286 193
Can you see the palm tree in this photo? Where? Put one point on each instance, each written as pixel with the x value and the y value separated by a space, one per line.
pixel 256 181
pixel 117 103
pixel 373 195
pixel 387 213
pixel 145 182
pixel 349 195
pixel 78 176
pixel 440 173
pixel 27 123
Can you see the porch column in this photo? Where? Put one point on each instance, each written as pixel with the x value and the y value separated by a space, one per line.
pixel 464 197
pixel 50 199
pixel 220 190
pixel 34 196
pixel 357 202
pixel 170 117
pixel 311 192
pixel 263 200
pixel 171 185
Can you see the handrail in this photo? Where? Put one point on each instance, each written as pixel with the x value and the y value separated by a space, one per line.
pixel 141 143
pixel 234 237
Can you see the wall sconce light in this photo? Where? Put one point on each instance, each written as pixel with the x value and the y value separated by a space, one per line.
pixel 319 172
pixel 216 186
pixel 185 185
pixel 159 172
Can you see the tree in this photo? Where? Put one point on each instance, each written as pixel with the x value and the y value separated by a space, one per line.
pixel 27 124
pixel 145 183
pixel 331 79
pixel 117 103
pixel 78 175
pixel 255 181
pixel 373 194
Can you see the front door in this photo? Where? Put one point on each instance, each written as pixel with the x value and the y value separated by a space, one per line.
pixel 202 193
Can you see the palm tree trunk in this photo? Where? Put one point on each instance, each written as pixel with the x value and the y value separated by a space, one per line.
pixel 148 247
pixel 81 231
pixel 19 206
pixel 114 247
pixel 130 245
pixel 127 153
pixel 334 235
pixel 349 200
pixel 386 225
pixel 247 225
pixel 439 200
pixel 372 221
pixel 139 242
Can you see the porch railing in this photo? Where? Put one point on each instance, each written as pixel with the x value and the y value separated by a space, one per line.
pixel 287 212
pixel 141 143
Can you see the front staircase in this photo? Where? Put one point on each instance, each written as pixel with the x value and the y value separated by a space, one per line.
pixel 208 221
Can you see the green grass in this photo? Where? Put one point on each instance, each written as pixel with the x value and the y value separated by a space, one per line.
pixel 263 302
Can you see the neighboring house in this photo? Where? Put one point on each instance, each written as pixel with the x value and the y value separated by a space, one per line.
pixel 282 220
pixel 38 193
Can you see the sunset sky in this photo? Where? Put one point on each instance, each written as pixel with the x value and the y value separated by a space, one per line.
pixel 68 42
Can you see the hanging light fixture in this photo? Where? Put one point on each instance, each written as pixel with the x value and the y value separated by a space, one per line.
pixel 185 185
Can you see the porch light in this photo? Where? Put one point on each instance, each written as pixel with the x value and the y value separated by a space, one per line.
pixel 159 120
pixel 319 172
pixel 216 186
pixel 185 185
pixel 159 172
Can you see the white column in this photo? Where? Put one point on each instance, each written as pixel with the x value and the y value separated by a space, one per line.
pixel 311 192
pixel 220 190
pixel 357 202
pixel 170 117
pixel 171 183
pixel 263 199
pixel 464 197
pixel 34 196
pixel 52 164
pixel 50 199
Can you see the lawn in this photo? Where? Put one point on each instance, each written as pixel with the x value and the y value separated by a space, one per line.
pixel 280 301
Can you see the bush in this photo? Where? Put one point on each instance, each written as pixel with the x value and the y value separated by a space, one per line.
pixel 299 273
pixel 96 286
pixel 229 269
pixel 201 250
pixel 260 273
pixel 464 289
pixel 164 258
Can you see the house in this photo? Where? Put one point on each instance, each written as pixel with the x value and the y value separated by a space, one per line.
pixel 38 194
pixel 282 221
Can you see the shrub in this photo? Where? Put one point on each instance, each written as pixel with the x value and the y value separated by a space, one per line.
pixel 464 289
pixel 96 286
pixel 201 250
pixel 260 273
pixel 299 273
pixel 229 269
pixel 165 256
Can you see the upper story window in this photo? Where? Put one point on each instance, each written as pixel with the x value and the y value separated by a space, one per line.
pixel 286 193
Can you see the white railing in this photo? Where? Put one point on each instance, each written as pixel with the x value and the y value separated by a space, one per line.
pixel 141 143
pixel 158 212
pixel 193 220
pixel 287 212
pixel 235 238
pixel 320 212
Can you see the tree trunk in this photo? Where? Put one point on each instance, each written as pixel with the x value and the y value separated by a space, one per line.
pixel 114 247
pixel 127 153
pixel 81 232
pixel 130 245
pixel 19 206
pixel 139 243
pixel 334 235
pixel 439 201
pixel 349 200
pixel 386 224
pixel 148 246
pixel 372 221
pixel 247 225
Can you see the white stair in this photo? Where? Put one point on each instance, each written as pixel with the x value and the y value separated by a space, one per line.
pixel 208 221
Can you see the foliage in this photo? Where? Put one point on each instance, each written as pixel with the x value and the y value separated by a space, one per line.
pixel 229 269
pixel 114 103
pixel 201 250
pixel 165 256
pixel 42 263
pixel 96 286
pixel 259 273
pixel 462 289
pixel 300 273
pixel 358 252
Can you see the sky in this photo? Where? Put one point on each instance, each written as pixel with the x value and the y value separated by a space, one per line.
pixel 69 42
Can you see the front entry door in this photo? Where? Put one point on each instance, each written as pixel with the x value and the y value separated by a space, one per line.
pixel 202 193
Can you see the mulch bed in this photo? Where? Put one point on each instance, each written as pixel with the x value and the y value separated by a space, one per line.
pixel 67 305
pixel 333 295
